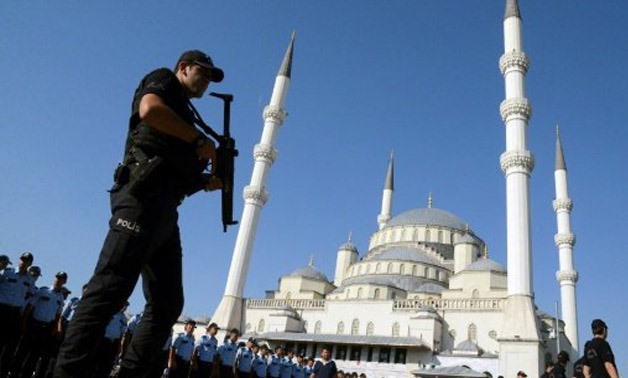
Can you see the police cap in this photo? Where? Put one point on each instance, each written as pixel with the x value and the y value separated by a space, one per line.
pixel 34 270
pixel 597 324
pixel 190 322
pixel 563 356
pixel 5 259
pixel 213 325
pixel 27 257
pixel 203 60
pixel 235 330
pixel 62 276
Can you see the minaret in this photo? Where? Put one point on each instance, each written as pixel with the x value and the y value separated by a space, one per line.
pixel 565 240
pixel 387 196
pixel 520 347
pixel 229 311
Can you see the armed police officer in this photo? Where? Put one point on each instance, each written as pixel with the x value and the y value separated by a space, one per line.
pixel 164 161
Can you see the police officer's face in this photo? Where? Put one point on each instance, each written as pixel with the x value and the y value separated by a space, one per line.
pixel 196 79
pixel 189 328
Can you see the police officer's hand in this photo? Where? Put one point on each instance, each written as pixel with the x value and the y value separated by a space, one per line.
pixel 206 149
pixel 212 183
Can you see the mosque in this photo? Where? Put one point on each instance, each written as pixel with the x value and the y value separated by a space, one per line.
pixel 425 299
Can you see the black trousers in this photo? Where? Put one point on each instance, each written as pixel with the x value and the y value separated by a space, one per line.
pixel 203 369
pixel 182 370
pixel 226 371
pixel 107 352
pixel 36 343
pixel 143 239
pixel 10 333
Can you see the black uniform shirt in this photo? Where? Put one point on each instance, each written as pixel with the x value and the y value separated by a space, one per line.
pixel 180 157
pixel 598 353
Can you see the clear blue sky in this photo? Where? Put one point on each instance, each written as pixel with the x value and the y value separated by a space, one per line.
pixel 419 77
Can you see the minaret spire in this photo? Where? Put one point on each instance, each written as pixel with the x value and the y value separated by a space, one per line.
pixel 565 241
pixel 512 9
pixel 387 195
pixel 229 311
pixel 520 333
pixel 560 157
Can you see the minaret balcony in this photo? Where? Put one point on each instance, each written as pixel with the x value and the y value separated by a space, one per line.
pixel 514 60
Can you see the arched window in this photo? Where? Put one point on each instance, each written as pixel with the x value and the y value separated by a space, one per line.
pixel 395 330
pixel 378 267
pixel 414 270
pixel 475 294
pixel 428 235
pixel 355 327
pixel 376 295
pixel 261 325
pixel 341 328
pixel 359 293
pixel 389 268
pixel 440 236
pixel 402 269
pixel 318 326
pixel 472 332
pixel 288 296
pixel 370 328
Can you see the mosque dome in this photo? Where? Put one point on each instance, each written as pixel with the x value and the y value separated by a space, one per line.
pixel 406 283
pixel 309 272
pixel 430 288
pixel 348 246
pixel 428 216
pixel 405 254
pixel 486 265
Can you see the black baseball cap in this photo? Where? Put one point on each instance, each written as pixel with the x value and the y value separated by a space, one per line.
pixel 202 59
pixel 34 270
pixel 191 322
pixel 5 258
pixel 62 276
pixel 27 256
pixel 213 325
pixel 597 324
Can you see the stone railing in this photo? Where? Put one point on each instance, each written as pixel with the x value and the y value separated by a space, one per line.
pixel 448 304
pixel 297 304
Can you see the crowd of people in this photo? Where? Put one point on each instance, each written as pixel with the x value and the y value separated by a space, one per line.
pixel 34 320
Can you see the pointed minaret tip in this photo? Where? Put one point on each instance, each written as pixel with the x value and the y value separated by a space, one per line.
pixel 430 201
pixel 286 65
pixel 311 263
pixel 512 9
pixel 560 157
pixel 390 176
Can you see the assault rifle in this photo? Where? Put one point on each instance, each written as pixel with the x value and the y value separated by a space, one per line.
pixel 225 156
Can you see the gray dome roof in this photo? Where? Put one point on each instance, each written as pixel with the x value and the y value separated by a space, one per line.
pixel 405 254
pixel 407 283
pixel 348 246
pixel 430 288
pixel 467 239
pixel 429 216
pixel 486 265
pixel 310 272
pixel 468 346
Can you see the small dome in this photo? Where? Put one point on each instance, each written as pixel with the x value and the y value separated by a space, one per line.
pixel 310 272
pixel 405 254
pixel 468 346
pixel 348 246
pixel 429 216
pixel 467 239
pixel 486 265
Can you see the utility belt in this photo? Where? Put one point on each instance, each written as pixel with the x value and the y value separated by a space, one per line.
pixel 143 174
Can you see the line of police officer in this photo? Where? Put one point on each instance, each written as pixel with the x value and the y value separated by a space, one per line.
pixel 29 318
pixel 202 358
